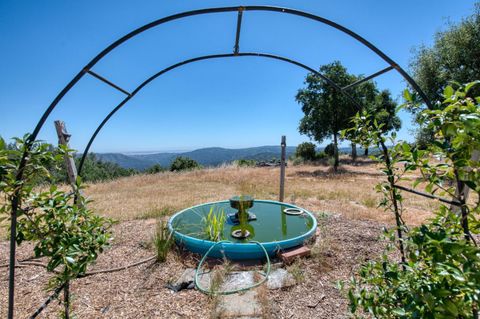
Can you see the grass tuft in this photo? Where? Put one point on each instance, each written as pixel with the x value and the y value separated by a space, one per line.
pixel 296 269
pixel 162 241
pixel 370 202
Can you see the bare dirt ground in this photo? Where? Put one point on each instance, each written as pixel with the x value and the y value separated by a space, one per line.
pixel 349 235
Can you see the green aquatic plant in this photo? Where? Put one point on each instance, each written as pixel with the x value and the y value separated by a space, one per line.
pixel 214 224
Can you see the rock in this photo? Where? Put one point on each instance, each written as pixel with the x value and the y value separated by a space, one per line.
pixel 186 281
pixel 280 278
pixel 244 305
pixel 187 276
pixel 238 280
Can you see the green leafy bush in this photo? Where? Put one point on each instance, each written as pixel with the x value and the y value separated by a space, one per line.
pixel 181 163
pixel 329 150
pixel 157 168
pixel 245 163
pixel 439 275
pixel 306 151
pixel 321 155
pixel 96 170
pixel 60 226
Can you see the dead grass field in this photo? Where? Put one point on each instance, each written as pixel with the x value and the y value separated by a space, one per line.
pixel 349 193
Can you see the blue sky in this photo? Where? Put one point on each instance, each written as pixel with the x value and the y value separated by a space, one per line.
pixel 235 102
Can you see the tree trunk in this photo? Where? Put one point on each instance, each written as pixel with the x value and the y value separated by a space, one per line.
pixel 335 152
pixel 366 151
pixel 354 152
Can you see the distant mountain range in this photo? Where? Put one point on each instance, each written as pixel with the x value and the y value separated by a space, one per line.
pixel 212 156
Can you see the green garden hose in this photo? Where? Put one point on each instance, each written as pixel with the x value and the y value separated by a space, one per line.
pixel 229 292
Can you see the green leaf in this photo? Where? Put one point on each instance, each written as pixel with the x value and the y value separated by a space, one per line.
pixel 451 307
pixel 407 96
pixel 448 92
pixel 399 312
pixel 470 85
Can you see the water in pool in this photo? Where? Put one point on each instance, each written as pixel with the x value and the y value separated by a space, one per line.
pixel 271 225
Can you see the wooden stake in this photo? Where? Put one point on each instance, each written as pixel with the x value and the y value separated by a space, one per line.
pixel 282 169
pixel 63 138
pixel 464 192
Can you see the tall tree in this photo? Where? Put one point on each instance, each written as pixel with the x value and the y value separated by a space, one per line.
pixel 326 110
pixel 384 110
pixel 454 56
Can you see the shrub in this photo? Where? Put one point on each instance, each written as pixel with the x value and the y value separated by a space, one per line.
pixel 439 272
pixel 306 151
pixel 182 163
pixel 96 170
pixel 157 168
pixel 245 162
pixel 297 160
pixel 329 150
pixel 58 224
pixel 322 155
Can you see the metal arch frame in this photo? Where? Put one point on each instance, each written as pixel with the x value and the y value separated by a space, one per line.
pixel 202 58
pixel 240 9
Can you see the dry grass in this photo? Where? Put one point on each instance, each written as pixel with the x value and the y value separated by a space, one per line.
pixel 316 188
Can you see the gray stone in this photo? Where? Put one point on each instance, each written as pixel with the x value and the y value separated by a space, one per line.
pixel 187 276
pixel 280 278
pixel 238 280
pixel 204 280
pixel 242 305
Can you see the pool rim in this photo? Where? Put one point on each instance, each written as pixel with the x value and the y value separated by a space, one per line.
pixel 187 238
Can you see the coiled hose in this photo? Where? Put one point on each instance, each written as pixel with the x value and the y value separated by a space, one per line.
pixel 229 292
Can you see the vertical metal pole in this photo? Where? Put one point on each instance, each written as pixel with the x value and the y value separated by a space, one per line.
pixel 66 299
pixel 11 281
pixel 282 169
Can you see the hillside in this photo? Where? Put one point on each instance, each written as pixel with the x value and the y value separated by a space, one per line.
pixel 212 156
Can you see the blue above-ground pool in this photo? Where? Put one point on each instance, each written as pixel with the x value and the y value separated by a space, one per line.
pixel 274 228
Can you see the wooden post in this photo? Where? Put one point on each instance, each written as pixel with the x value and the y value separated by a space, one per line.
pixel 464 192
pixel 282 169
pixel 63 138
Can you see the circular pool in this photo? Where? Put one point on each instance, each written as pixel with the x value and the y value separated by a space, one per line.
pixel 273 227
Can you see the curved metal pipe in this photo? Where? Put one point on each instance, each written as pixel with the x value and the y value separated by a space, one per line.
pixel 201 58
pixel 217 10
pixel 135 32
